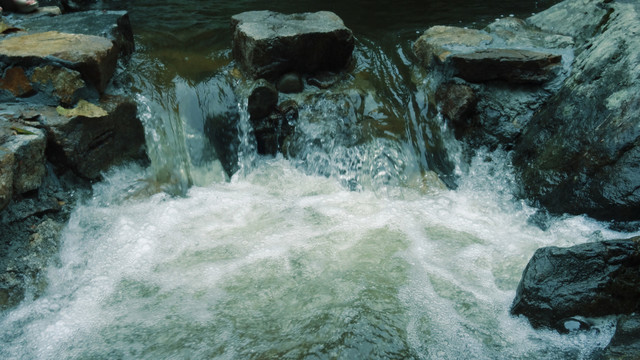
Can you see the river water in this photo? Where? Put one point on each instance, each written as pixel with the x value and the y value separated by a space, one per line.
pixel 351 248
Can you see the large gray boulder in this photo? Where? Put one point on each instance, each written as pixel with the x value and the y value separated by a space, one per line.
pixel 590 280
pixel 581 152
pixel 268 44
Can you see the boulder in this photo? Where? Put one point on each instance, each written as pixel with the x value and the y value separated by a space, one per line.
pixel 263 98
pixel 28 146
pixel 268 44
pixel 590 280
pixel 91 138
pixel 580 153
pixel 93 56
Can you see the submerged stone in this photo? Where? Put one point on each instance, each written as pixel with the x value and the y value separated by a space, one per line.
pixel 263 99
pixel 290 83
pixel 269 44
pixel 592 279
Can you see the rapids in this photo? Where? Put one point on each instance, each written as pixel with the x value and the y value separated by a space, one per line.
pixel 351 248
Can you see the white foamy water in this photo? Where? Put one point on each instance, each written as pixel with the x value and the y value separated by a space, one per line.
pixel 280 264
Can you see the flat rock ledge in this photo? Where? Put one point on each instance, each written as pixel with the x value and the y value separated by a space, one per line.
pixel 93 57
pixel 488 83
pixel 268 45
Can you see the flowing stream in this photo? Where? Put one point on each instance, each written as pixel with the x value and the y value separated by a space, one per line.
pixel 352 247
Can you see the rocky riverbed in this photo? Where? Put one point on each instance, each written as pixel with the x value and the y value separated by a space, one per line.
pixel 66 116
pixel 559 90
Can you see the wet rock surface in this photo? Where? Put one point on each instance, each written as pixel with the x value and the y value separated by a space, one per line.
pixel 268 44
pixel 579 153
pixel 592 279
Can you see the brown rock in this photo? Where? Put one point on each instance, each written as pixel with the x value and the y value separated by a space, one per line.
pixel 16 82
pixel 456 101
pixel 63 83
pixel 93 56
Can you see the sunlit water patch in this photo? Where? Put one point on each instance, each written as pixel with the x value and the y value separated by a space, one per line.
pixel 280 264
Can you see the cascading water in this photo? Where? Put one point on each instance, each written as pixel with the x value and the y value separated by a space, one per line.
pixel 350 248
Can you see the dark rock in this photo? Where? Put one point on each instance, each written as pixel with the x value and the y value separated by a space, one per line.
pixel 65 86
pixel 323 79
pixel 580 153
pixel 502 112
pixel 15 81
pixel 94 57
pixel 511 65
pixel 93 139
pixel 262 100
pixel 625 344
pixel 456 102
pixel 112 25
pixel 290 83
pixel 268 44
pixel 592 279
